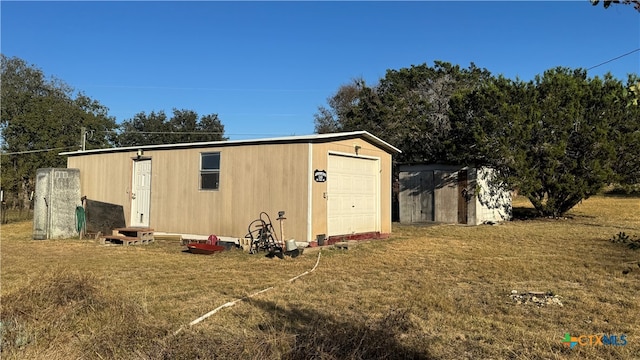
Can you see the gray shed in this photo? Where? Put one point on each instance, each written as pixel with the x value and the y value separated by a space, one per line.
pixel 451 194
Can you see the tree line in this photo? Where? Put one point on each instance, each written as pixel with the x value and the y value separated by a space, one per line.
pixel 557 139
pixel 42 116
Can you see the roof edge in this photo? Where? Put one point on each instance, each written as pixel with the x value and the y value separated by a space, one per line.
pixel 302 138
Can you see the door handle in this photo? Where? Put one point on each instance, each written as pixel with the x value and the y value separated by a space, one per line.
pixel 133 196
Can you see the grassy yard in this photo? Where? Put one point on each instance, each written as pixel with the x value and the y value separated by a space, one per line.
pixel 428 292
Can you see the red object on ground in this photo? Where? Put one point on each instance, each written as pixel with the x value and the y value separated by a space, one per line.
pixel 205 249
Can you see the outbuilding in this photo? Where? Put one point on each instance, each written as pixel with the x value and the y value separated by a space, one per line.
pixel 329 185
pixel 451 194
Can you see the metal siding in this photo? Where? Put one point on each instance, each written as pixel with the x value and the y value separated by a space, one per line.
pixel 486 202
pixel 320 158
pixel 416 196
pixel 253 178
pixel 446 196
pixel 105 177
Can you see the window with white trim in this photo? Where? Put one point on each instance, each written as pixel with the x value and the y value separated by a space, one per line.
pixel 210 171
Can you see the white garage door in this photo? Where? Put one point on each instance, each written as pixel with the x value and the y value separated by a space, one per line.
pixel 353 195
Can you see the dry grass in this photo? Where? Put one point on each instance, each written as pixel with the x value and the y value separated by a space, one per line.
pixel 429 292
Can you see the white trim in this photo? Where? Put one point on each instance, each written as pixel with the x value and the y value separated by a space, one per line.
pixel 379 202
pixel 134 188
pixel 209 171
pixel 339 153
pixel 309 192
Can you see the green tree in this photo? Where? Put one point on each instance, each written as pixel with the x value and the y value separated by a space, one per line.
pixel 144 129
pixel 549 138
pixel 607 3
pixel 482 122
pixel 37 114
pixel 340 105
pixel 183 127
pixel 633 86
pixel 625 131
pixel 409 108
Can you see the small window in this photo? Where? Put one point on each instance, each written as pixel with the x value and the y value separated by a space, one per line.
pixel 209 171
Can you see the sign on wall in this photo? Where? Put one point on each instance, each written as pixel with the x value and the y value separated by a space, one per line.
pixel 320 175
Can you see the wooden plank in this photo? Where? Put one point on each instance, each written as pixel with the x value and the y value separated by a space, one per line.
pixel 132 229
pixel 120 237
pixel 124 240
pixel 167 237
pixel 140 233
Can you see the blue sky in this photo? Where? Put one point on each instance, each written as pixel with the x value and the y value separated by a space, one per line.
pixel 265 67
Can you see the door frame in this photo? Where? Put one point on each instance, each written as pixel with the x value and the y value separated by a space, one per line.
pixel 133 199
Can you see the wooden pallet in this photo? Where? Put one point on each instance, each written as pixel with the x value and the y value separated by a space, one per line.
pixel 195 241
pixel 129 236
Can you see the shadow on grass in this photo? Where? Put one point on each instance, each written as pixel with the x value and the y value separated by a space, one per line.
pixel 622 191
pixel 622 194
pixel 320 336
pixel 294 333
pixel 525 213
pixel 77 313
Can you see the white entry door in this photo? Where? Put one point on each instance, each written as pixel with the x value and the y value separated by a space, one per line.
pixel 141 193
pixel 353 189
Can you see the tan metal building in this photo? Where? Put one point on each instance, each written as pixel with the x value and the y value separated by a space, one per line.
pixel 327 184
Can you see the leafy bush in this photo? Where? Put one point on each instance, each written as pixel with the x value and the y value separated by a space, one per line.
pixel 624 190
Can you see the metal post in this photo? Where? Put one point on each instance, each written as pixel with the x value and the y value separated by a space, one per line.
pixel 280 219
pixel 83 137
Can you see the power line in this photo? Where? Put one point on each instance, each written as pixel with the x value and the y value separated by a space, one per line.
pixel 192 133
pixel 172 132
pixel 615 58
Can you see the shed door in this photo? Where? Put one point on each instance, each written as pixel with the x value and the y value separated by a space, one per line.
pixel 141 194
pixel 353 187
pixel 463 197
pixel 416 196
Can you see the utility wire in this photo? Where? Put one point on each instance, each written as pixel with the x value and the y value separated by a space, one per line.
pixel 185 132
pixel 171 132
pixel 130 132
pixel 615 58
pixel 190 133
